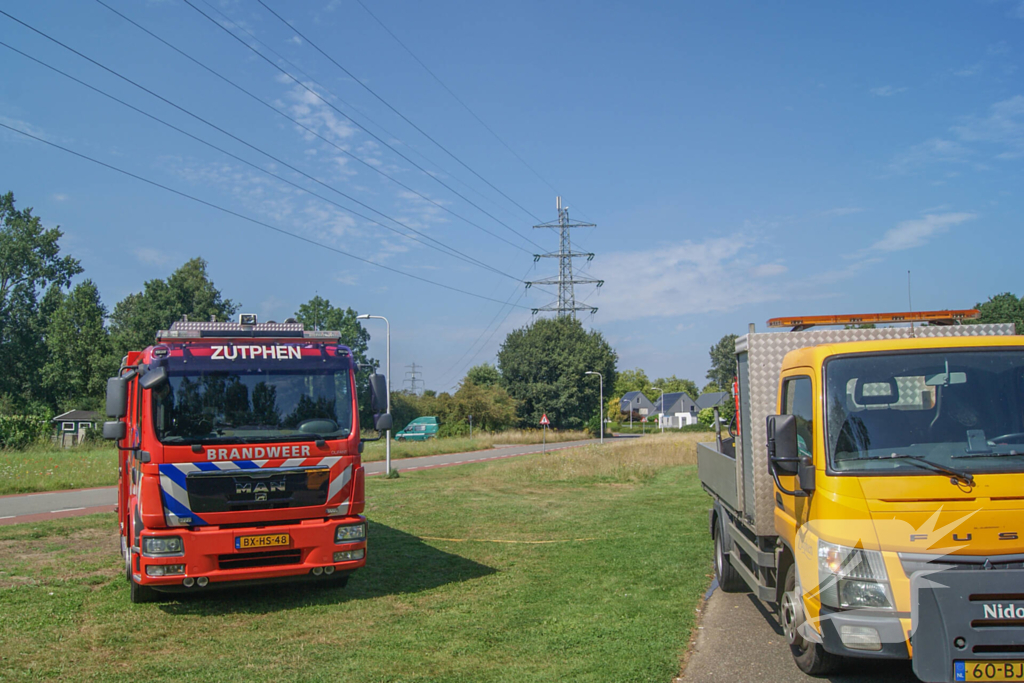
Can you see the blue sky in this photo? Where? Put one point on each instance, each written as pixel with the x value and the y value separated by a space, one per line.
pixel 741 160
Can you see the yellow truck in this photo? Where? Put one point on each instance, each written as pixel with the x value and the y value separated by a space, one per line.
pixel 873 491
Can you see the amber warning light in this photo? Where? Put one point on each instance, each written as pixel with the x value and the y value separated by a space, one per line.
pixel 933 317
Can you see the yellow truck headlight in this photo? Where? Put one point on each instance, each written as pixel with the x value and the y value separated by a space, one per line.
pixel 849 578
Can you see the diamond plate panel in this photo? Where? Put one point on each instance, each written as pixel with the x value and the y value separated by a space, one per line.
pixel 765 352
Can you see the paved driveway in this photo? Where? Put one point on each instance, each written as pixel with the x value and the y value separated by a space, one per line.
pixel 740 641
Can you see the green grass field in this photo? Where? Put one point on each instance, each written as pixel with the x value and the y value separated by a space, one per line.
pixel 582 565
pixel 43 468
pixel 53 469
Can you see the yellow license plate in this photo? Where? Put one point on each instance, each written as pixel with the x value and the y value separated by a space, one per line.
pixel 261 541
pixel 988 670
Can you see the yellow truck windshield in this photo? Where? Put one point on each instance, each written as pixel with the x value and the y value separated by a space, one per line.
pixel 961 409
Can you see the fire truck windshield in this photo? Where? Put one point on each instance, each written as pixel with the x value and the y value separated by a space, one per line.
pixel 253 401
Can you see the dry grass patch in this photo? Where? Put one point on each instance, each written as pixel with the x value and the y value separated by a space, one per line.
pixel 621 461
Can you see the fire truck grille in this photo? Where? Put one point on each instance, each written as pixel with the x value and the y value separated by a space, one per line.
pixel 270 558
pixel 259 489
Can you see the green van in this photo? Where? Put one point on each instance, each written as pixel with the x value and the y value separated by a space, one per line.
pixel 420 429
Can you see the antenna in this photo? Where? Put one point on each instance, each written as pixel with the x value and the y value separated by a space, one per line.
pixel 910 303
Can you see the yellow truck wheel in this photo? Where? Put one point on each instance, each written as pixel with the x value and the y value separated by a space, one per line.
pixel 811 658
pixel 729 580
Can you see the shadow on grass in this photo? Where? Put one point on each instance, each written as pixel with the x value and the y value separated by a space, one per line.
pixel 397 563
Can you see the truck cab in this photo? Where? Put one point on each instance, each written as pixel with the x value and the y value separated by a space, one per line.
pixel 891 478
pixel 239 457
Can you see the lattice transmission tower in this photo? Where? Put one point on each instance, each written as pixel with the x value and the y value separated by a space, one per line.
pixel 566 280
pixel 413 378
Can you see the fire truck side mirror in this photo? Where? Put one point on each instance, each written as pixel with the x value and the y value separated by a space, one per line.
pixel 114 430
pixel 378 393
pixel 117 396
pixel 384 422
pixel 154 378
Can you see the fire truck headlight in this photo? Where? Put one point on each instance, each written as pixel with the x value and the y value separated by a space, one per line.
pixel 162 546
pixel 849 578
pixel 350 533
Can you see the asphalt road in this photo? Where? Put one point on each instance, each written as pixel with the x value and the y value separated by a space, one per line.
pixel 32 507
pixel 740 640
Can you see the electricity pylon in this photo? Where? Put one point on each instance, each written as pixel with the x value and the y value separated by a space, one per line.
pixel 566 281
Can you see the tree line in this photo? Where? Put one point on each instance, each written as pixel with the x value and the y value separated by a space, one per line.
pixel 59 344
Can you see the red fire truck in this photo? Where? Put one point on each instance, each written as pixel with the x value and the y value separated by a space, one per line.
pixel 239 457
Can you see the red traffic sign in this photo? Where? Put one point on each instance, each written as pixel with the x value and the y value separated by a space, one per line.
pixel 644 419
pixel 544 421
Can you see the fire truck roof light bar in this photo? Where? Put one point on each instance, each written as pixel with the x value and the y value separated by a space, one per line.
pixel 934 317
pixel 196 330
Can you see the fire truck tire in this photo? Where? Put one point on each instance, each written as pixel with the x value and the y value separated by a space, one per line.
pixel 729 580
pixel 811 658
pixel 141 594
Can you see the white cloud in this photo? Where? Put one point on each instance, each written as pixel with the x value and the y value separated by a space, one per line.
pixel 968 71
pixel 918 231
pixel 151 256
pixel 929 152
pixel 886 91
pixel 295 40
pixel 1004 126
pixel 999 49
pixel 842 211
pixel 693 277
pixel 59 197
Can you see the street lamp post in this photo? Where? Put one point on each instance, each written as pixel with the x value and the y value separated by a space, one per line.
pixel 661 415
pixel 387 383
pixel 600 410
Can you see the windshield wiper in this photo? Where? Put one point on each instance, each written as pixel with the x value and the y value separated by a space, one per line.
pixel 992 454
pixel 925 462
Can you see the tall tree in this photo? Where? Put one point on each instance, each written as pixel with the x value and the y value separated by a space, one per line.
pixel 723 361
pixel 1002 308
pixel 79 359
pixel 188 291
pixel 30 262
pixel 319 314
pixel 483 375
pixel 543 364
pixel 673 384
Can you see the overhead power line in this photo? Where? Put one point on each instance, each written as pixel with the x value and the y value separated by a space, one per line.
pixel 307 128
pixel 250 219
pixel 447 250
pixel 392 108
pixel 445 376
pixel 360 126
pixel 297 69
pixel 458 99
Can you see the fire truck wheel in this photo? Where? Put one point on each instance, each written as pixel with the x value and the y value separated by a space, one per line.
pixel 729 580
pixel 140 594
pixel 810 657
